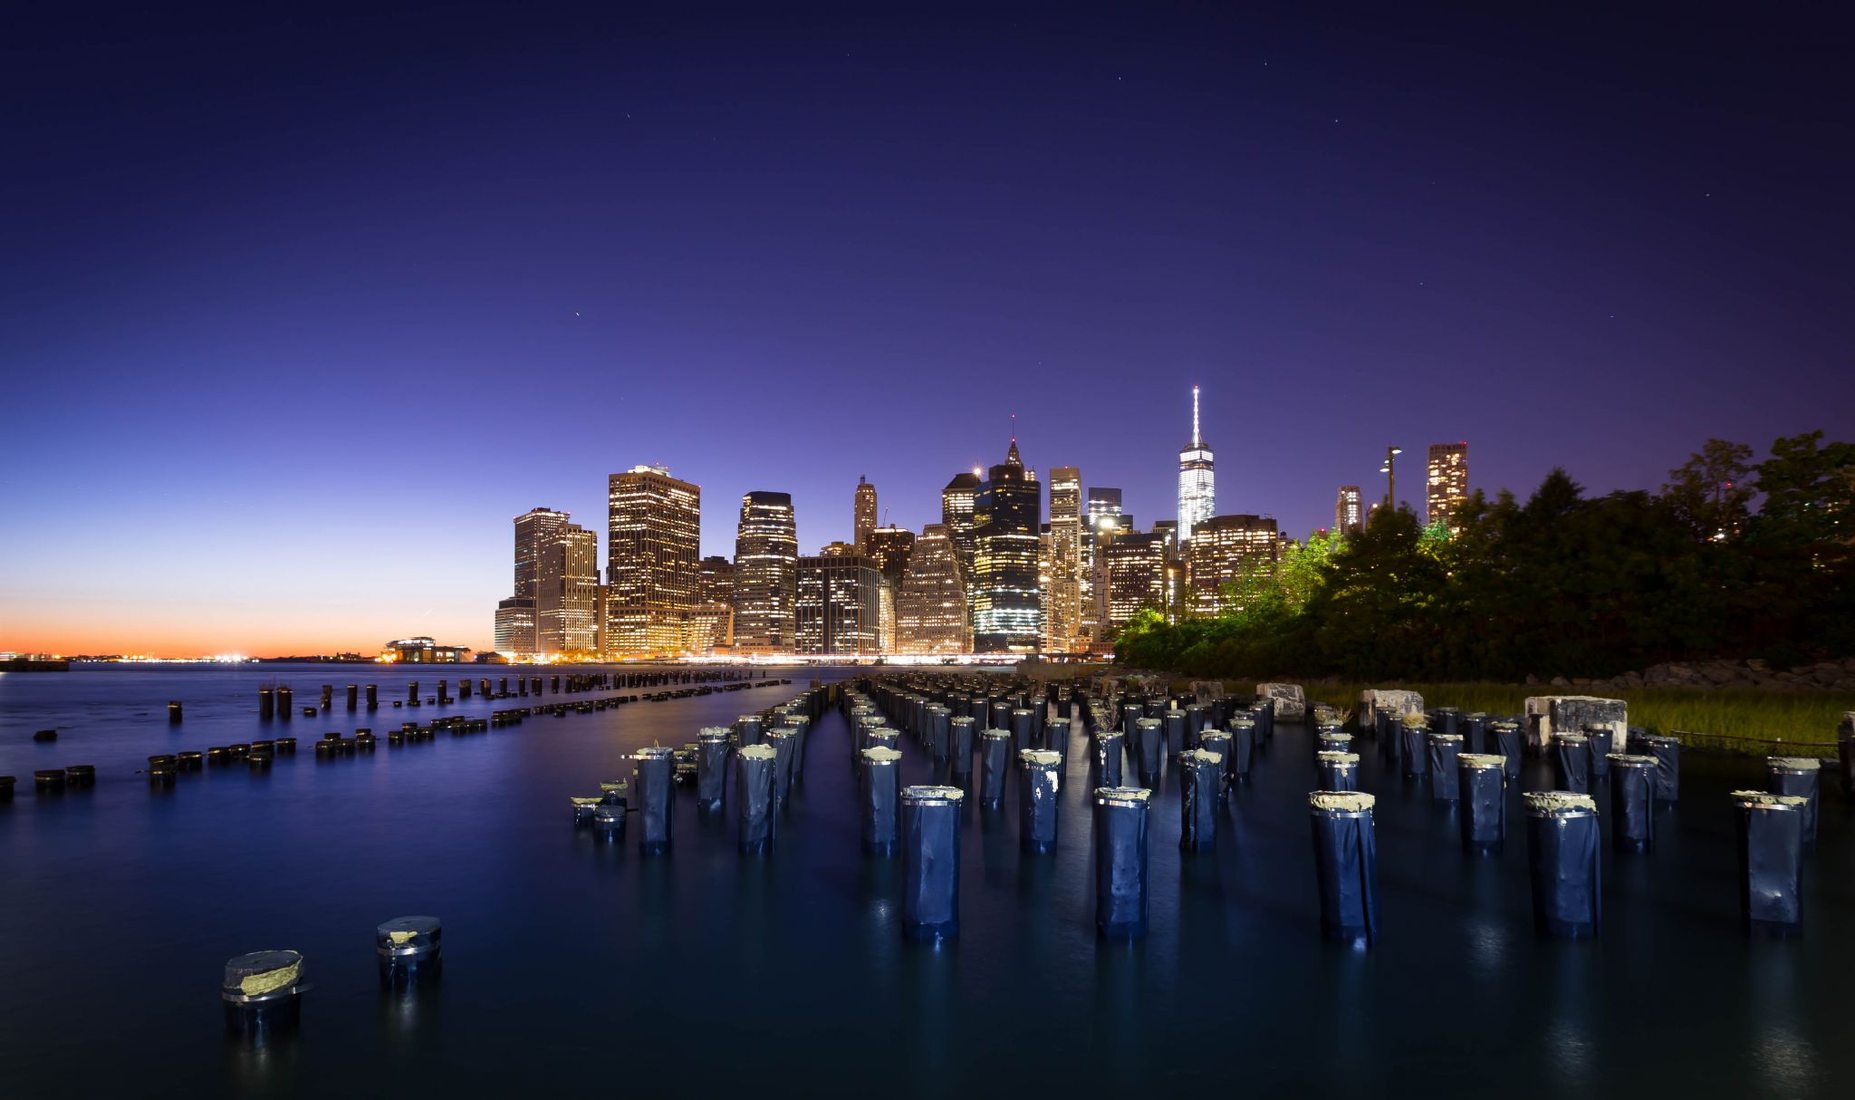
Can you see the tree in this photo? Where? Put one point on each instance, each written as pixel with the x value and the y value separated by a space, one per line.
pixel 1562 584
pixel 1711 492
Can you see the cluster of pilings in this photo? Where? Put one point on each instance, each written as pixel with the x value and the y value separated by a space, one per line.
pixel 1470 760
pixel 983 736
pixel 748 769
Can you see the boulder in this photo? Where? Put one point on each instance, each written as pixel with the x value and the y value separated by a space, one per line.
pixel 1549 714
pixel 1290 701
pixel 1206 690
pixel 1398 702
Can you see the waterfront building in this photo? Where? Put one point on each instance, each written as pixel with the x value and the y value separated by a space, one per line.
pixel 930 606
pixel 1348 510
pixel 839 609
pixel 1224 550
pixel 1448 482
pixel 515 626
pixel 567 593
pixel 1065 629
pixel 423 651
pixel 766 565
pixel 1007 512
pixel 1133 576
pixel 652 553
pixel 864 514
pixel 890 546
pixel 1197 480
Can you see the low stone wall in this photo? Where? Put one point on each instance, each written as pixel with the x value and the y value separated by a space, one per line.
pixel 1737 675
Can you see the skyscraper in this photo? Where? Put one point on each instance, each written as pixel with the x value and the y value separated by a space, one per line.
pixel 652 549
pixel 865 514
pixel 535 530
pixel 1348 510
pixel 890 546
pixel 839 609
pixel 1103 502
pixel 1007 511
pixel 766 565
pixel 567 593
pixel 1064 600
pixel 930 607
pixel 1226 549
pixel 1449 481
pixel 1197 481
pixel 1133 576
pixel 956 515
pixel 1105 520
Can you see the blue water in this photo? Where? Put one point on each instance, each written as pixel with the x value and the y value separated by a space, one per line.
pixel 570 964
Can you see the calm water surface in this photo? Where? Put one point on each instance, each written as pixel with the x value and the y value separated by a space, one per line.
pixel 569 964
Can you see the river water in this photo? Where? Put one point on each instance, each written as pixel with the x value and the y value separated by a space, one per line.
pixel 575 965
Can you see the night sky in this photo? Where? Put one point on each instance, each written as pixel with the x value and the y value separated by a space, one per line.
pixel 297 310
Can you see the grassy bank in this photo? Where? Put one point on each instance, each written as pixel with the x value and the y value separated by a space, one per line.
pixel 1720 718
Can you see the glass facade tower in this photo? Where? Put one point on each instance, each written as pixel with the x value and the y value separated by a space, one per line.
pixel 1197 481
pixel 1007 513
pixel 766 573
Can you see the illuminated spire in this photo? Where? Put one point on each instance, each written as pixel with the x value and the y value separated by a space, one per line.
pixel 1195 440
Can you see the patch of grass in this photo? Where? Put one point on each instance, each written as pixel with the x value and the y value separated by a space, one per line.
pixel 1719 717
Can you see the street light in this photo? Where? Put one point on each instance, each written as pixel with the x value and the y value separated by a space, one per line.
pixel 1389 469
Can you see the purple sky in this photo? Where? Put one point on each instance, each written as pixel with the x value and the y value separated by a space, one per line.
pixel 297 311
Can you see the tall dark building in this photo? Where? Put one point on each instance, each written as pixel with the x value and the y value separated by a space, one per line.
pixel 956 515
pixel 890 546
pixel 1007 515
pixel 766 573
pixel 864 515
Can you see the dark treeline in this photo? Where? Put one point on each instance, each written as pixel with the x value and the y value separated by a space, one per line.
pixel 1731 559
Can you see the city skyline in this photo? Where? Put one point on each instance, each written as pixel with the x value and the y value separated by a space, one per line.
pixel 308 343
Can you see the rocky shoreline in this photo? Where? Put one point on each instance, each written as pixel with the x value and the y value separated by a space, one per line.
pixel 1725 675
